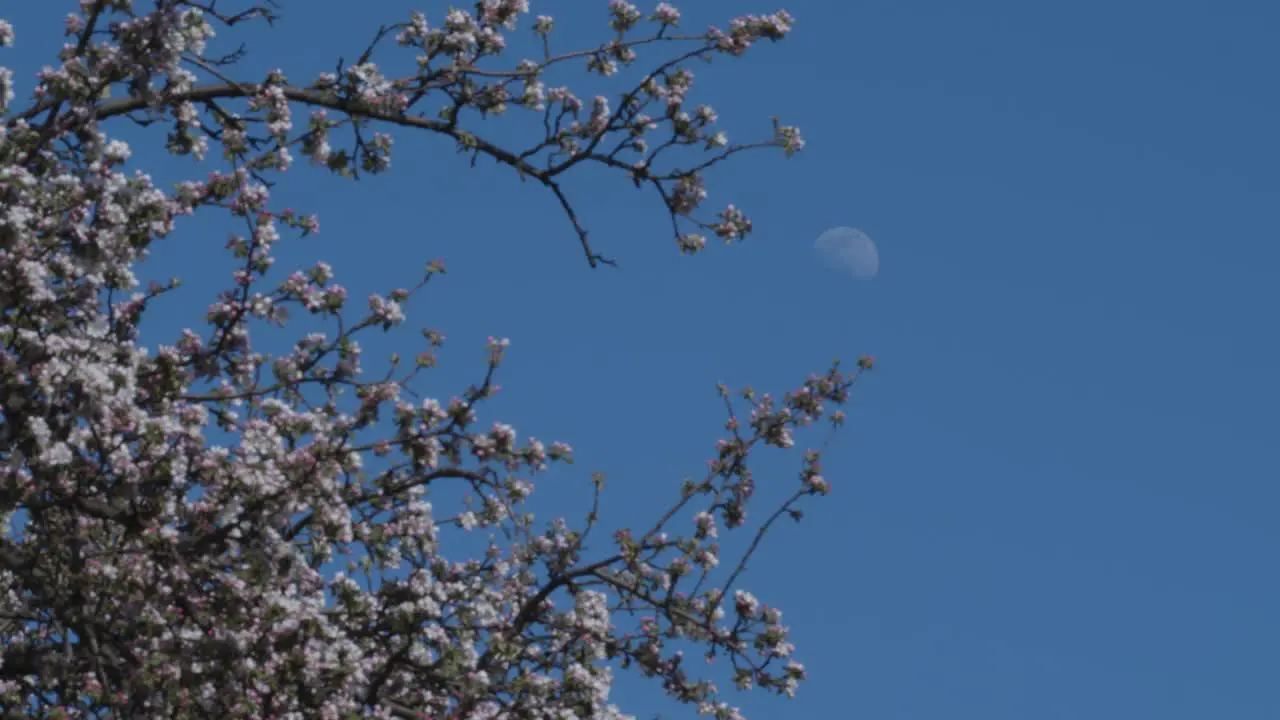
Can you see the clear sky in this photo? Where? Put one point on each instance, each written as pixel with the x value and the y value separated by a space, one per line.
pixel 1056 497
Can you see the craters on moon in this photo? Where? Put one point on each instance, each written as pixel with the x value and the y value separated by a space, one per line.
pixel 849 250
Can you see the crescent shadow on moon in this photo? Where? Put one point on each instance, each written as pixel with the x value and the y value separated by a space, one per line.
pixel 849 250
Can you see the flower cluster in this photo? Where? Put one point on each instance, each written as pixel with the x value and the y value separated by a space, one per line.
pixel 177 512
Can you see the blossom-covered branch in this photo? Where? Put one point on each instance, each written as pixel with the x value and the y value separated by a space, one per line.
pixel 183 82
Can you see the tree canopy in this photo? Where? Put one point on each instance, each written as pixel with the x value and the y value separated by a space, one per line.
pixel 148 570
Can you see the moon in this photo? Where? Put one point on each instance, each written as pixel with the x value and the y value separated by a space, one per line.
pixel 849 250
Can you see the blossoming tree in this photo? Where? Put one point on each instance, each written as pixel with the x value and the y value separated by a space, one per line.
pixel 147 571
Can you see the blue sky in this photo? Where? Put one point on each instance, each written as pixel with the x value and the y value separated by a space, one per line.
pixel 1056 495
